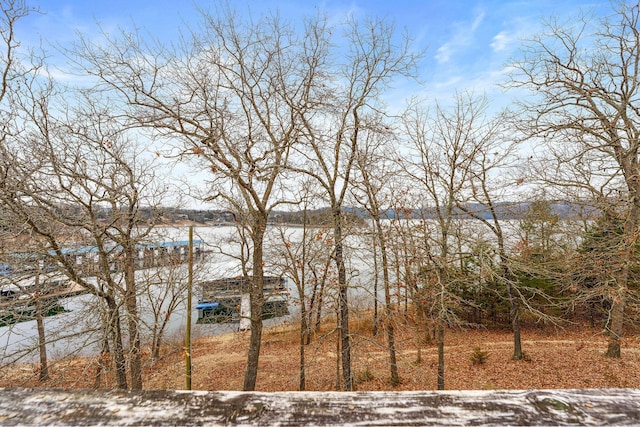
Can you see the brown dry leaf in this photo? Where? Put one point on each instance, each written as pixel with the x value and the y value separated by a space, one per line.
pixel 570 358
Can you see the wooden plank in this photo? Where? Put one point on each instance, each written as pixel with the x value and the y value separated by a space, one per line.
pixel 532 407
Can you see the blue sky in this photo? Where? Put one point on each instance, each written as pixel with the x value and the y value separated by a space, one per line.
pixel 468 42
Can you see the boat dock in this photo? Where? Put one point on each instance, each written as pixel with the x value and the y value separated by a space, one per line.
pixel 227 300
pixel 29 278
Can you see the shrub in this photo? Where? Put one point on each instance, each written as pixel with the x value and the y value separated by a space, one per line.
pixel 479 356
pixel 364 376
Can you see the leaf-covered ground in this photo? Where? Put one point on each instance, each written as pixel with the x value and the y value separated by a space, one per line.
pixel 570 357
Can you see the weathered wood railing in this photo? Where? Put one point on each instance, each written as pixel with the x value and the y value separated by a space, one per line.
pixel 533 407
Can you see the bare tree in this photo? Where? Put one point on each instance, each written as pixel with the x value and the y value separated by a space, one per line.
pixel 408 239
pixel 25 287
pixel 163 293
pixel 297 253
pixel 69 165
pixel 585 82
pixel 332 135
pixel 12 68
pixel 440 144
pixel 16 71
pixel 233 95
pixel 490 185
pixel 373 174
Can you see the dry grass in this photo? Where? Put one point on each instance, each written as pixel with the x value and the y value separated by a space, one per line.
pixel 556 358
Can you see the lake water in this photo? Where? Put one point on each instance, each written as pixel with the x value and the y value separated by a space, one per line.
pixel 79 330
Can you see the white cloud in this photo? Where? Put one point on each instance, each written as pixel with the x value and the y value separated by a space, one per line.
pixel 501 41
pixel 444 53
pixel 478 20
pixel 451 82
pixel 461 38
pixel 338 13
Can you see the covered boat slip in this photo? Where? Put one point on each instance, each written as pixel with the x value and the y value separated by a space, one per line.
pixel 227 300
pixel 27 278
pixel 86 258
pixel 156 254
pixel 24 296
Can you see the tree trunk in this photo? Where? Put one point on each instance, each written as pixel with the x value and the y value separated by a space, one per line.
pixel 515 323
pixel 310 314
pixel 514 306
pixel 304 332
pixel 133 323
pixel 102 361
pixel 42 342
pixel 440 354
pixel 343 303
pixel 618 302
pixel 315 306
pixel 418 345
pixel 338 358
pixel 118 348
pixel 257 305
pixel 320 303
pixel 615 330
pixel 158 335
pixel 393 364
pixel 304 324
pixel 155 343
pixel 375 289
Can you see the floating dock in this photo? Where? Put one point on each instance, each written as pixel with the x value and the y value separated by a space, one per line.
pixel 18 303
pixel 227 300
pixel 28 278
